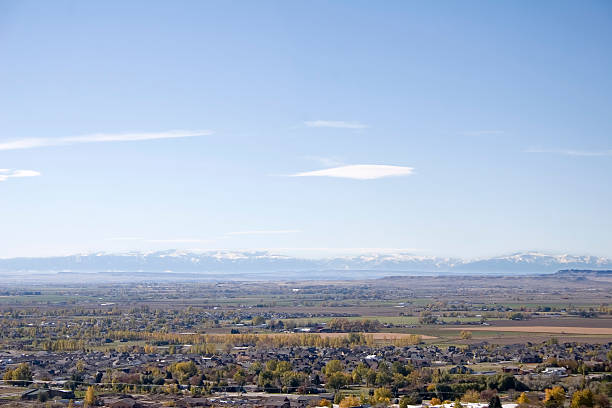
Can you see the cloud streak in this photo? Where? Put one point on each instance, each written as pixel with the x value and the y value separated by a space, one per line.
pixel 337 124
pixel 570 152
pixel 359 172
pixel 178 241
pixel 263 232
pixel 32 143
pixel 6 174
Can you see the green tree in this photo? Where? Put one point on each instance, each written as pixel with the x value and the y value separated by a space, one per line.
pixel 337 380
pixel 382 396
pixel 495 402
pixel 333 366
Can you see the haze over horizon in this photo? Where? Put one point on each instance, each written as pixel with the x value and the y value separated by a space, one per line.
pixel 321 129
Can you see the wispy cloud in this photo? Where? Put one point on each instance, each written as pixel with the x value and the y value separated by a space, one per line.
pixel 263 232
pixel 31 143
pixel 338 124
pixel 483 133
pixel 178 241
pixel 359 172
pixel 6 174
pixel 162 241
pixel 571 152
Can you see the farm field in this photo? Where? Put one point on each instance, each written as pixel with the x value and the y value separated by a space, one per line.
pixel 544 329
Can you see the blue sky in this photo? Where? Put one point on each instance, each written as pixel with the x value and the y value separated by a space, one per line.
pixel 308 128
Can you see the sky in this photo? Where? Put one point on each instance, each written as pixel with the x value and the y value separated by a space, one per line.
pixel 307 128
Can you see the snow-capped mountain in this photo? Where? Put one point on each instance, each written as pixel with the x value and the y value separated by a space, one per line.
pixel 250 262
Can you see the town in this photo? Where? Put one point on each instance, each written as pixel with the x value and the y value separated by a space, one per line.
pixel 378 342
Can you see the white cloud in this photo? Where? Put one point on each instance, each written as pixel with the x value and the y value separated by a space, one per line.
pixel 359 172
pixel 6 174
pixel 262 232
pixel 338 124
pixel 570 152
pixel 31 143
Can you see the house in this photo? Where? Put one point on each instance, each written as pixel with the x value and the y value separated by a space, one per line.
pixel 46 393
pixel 555 371
pixel 278 402
pixel 460 369
pixel 124 403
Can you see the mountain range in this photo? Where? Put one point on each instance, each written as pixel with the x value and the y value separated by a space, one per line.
pixel 236 262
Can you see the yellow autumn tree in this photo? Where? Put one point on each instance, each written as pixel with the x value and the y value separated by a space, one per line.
pixel 350 401
pixel 466 335
pixel 554 397
pixel 90 397
pixel 522 399
pixel 582 398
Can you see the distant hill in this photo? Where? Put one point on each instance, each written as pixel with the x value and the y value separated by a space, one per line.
pixel 236 262
pixel 580 272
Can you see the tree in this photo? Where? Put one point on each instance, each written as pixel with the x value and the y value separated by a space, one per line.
pixel 495 402
pixel 382 396
pixel 428 318
pixel 582 398
pixel 471 396
pixel 522 399
pixel 257 320
pixel 554 397
pixel 20 376
pixel 410 399
pixel 350 401
pixel 183 371
pixel 240 377
pixel 333 366
pixel 360 373
pixel 43 396
pixel 338 380
pixel 466 335
pixel 90 397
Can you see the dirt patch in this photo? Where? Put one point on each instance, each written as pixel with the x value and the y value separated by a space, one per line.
pixel 540 329
pixel 556 322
